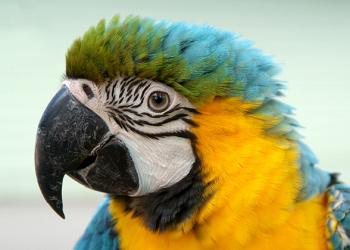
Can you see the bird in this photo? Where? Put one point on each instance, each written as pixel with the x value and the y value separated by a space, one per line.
pixel 182 127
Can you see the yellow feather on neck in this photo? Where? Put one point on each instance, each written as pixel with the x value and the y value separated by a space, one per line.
pixel 253 182
pixel 254 176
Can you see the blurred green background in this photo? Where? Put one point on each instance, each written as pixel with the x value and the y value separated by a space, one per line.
pixel 311 37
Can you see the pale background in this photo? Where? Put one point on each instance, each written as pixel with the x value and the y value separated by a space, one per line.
pixel 312 38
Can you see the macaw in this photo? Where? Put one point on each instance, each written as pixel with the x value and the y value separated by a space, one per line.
pixel 182 127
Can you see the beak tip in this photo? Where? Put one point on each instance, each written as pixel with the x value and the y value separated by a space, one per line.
pixel 52 193
pixel 61 214
pixel 58 208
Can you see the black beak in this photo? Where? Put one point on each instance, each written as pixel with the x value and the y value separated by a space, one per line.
pixel 72 139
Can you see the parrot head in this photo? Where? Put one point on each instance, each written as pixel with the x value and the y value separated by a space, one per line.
pixel 132 118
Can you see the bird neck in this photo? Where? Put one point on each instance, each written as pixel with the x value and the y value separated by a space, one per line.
pixel 254 176
pixel 250 179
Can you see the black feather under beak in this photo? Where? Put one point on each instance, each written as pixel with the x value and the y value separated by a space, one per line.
pixel 72 139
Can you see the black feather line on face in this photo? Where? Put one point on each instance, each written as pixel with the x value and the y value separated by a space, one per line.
pixel 176 108
pixel 130 89
pixel 182 133
pixel 113 88
pixel 129 98
pixel 126 122
pixel 121 94
pixel 190 122
pixel 174 118
pixel 164 209
pixel 119 112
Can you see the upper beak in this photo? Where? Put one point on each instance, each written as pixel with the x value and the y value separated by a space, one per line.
pixel 72 139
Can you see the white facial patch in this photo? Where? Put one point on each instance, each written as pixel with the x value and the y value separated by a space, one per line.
pixel 151 118
pixel 160 163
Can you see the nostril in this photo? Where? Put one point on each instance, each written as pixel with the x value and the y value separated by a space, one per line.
pixel 88 91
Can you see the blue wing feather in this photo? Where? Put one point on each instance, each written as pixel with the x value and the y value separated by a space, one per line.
pixel 317 181
pixel 338 216
pixel 100 233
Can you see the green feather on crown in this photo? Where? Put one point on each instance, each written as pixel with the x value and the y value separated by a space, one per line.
pixel 200 62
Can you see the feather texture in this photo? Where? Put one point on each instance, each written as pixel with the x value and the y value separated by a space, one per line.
pixel 200 62
pixel 100 233
pixel 338 217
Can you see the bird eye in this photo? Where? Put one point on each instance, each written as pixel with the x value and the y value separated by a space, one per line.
pixel 158 101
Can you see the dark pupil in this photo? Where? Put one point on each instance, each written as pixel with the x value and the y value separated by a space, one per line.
pixel 158 101
pixel 158 98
